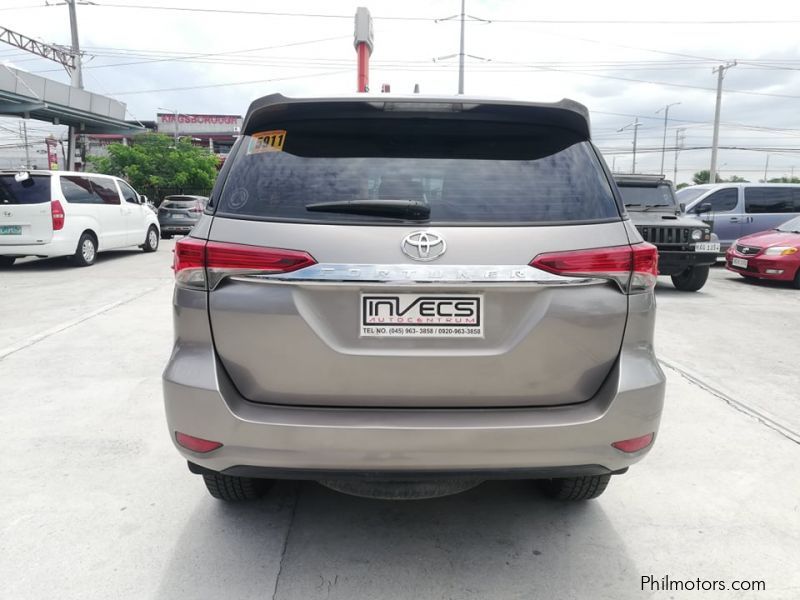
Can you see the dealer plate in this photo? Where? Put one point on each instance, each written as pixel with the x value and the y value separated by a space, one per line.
pixel 706 247
pixel 739 262
pixel 421 315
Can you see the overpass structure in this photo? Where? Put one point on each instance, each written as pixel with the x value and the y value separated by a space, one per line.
pixel 30 96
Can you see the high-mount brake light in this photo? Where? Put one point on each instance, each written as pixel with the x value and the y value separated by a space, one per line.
pixel 198 263
pixel 57 214
pixel 634 268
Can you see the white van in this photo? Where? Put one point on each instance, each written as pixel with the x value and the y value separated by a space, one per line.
pixel 739 209
pixel 47 214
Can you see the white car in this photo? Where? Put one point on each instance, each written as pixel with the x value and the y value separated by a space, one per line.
pixel 48 214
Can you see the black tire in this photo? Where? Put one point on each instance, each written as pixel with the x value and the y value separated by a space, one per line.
pixel 692 279
pixel 796 281
pixel 7 261
pixel 575 488
pixel 86 252
pixel 166 236
pixel 151 240
pixel 235 489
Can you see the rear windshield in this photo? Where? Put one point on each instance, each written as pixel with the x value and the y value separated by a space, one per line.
pixel 34 190
pixel 651 195
pixel 495 175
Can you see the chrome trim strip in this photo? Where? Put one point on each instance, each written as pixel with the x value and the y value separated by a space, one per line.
pixel 404 274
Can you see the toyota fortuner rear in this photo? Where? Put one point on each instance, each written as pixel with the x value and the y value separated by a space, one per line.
pixel 384 292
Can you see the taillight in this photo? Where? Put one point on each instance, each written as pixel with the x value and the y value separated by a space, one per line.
pixel 57 213
pixel 197 261
pixel 634 268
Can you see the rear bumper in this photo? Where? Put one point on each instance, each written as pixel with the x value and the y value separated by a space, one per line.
pixel 56 247
pixel 672 262
pixel 302 442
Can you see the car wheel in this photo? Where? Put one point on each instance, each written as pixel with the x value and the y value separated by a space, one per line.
pixel 235 489
pixel 575 488
pixel 86 253
pixel 7 261
pixel 151 240
pixel 692 279
pixel 796 281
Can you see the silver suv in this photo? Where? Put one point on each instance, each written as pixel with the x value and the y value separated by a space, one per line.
pixel 407 296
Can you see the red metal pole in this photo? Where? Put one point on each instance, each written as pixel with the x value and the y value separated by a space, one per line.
pixel 363 67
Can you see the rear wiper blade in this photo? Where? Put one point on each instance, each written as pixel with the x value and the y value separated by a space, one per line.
pixel 655 206
pixel 380 207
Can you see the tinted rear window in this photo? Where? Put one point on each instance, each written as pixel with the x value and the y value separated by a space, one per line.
pixel 771 200
pixel 34 190
pixel 490 174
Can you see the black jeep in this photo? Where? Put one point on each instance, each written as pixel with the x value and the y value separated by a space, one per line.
pixel 686 245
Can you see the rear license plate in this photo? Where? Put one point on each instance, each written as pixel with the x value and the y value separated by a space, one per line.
pixel 418 315
pixel 10 229
pixel 706 247
pixel 739 262
pixel 179 216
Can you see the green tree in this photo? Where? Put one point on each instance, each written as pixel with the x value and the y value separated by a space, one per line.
pixel 737 179
pixel 154 160
pixel 784 180
pixel 680 186
pixel 703 177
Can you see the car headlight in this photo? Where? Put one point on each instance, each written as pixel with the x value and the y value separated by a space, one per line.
pixel 697 234
pixel 780 251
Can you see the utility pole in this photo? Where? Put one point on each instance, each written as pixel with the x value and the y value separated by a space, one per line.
pixel 461 53
pixel 175 113
pixel 720 71
pixel 766 168
pixel 24 128
pixel 76 76
pixel 635 126
pixel 462 16
pixel 664 141
pixel 678 134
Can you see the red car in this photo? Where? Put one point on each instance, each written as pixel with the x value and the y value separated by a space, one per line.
pixel 773 254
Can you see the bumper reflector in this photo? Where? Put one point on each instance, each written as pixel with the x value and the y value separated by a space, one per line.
pixel 634 444
pixel 196 444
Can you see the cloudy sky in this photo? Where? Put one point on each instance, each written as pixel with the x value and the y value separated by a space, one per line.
pixel 622 59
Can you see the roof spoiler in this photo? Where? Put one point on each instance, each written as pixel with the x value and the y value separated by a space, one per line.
pixel 274 110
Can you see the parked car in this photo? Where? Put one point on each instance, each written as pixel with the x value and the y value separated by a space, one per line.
pixel 380 299
pixel 773 254
pixel 686 245
pixel 178 214
pixel 739 209
pixel 49 213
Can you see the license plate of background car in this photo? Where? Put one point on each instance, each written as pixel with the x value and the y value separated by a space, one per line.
pixel 421 315
pixel 739 262
pixel 706 247
pixel 10 230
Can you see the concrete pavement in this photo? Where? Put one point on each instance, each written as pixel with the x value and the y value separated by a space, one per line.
pixel 97 503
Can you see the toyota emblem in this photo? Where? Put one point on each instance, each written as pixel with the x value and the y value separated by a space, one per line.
pixel 423 245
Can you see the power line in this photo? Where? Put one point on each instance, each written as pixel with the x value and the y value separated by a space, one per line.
pixel 215 85
pixel 432 19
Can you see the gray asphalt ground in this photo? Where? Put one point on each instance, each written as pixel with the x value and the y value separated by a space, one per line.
pixel 97 504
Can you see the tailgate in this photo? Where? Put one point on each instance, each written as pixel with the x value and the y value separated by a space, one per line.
pixel 25 214
pixel 488 329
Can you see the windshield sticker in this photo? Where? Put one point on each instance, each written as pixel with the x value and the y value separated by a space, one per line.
pixel 267 141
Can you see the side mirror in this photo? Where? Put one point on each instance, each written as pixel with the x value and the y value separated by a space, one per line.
pixel 703 208
pixel 682 207
pixel 142 199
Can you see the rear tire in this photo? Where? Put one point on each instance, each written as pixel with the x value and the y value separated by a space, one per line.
pixel 86 252
pixel 235 489
pixel 7 261
pixel 575 488
pixel 166 236
pixel 692 279
pixel 151 240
